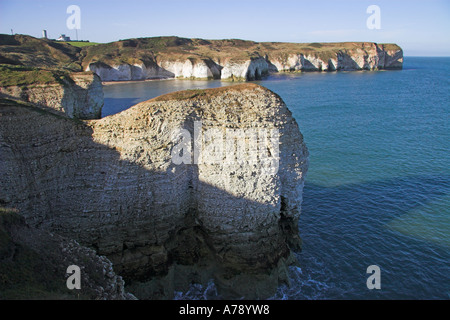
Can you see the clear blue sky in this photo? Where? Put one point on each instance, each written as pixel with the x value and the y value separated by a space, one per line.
pixel 420 27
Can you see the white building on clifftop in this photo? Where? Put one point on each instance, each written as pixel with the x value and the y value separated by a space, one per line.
pixel 63 37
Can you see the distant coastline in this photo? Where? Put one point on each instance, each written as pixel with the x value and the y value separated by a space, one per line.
pixel 198 59
pixel 232 59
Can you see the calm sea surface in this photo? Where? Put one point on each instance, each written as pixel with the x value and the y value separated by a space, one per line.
pixel 378 188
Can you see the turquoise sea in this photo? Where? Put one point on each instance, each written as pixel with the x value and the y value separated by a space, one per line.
pixel 378 187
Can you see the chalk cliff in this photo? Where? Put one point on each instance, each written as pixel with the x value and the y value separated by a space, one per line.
pixel 77 95
pixel 112 185
pixel 365 56
pixel 172 57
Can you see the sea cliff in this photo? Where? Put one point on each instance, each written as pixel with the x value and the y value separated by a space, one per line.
pixel 76 94
pixel 175 57
pixel 171 57
pixel 111 185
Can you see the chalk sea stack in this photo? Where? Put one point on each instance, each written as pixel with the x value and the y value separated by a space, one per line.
pixel 111 185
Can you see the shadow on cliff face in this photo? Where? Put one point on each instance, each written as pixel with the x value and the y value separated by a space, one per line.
pixel 143 220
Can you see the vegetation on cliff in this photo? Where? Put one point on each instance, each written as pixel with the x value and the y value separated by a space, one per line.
pixel 38 53
pixel 42 53
pixel 81 44
pixel 149 50
pixel 11 75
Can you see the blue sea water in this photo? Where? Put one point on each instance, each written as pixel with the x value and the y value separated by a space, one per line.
pixel 378 187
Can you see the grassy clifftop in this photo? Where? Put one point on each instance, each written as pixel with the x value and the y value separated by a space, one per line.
pixel 38 53
pixel 26 51
pixel 11 75
pixel 206 94
pixel 25 60
pixel 173 48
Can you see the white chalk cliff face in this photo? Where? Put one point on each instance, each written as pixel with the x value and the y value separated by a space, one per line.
pixel 111 185
pixel 252 69
pixel 82 99
pixel 369 56
pixel 126 72
pixel 190 68
pixel 372 57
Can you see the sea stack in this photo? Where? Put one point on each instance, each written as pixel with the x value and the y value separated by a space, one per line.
pixel 112 185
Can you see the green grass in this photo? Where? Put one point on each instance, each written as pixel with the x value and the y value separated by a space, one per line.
pixel 81 44
pixel 187 94
pixel 23 76
pixel 28 51
pixel 205 93
pixel 148 50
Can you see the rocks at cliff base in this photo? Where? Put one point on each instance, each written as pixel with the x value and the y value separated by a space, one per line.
pixel 34 262
pixel 111 185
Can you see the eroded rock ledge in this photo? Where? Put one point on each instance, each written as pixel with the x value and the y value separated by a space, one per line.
pixel 111 185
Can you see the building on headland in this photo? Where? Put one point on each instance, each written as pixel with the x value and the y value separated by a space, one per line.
pixel 63 37
pixel 44 34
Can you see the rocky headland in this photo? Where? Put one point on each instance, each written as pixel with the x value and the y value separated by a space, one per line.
pixel 175 57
